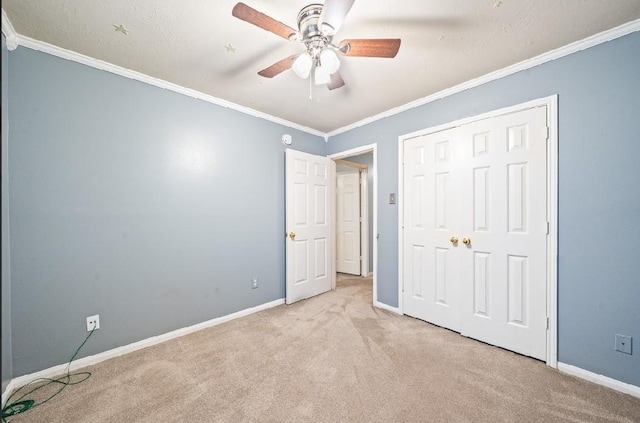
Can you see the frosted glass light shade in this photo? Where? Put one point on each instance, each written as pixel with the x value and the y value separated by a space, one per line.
pixel 329 60
pixel 322 75
pixel 302 65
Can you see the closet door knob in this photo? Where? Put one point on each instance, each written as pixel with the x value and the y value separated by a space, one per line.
pixel 466 241
pixel 454 240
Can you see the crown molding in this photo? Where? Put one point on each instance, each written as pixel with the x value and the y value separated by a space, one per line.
pixel 160 83
pixel 549 56
pixel 10 34
pixel 13 40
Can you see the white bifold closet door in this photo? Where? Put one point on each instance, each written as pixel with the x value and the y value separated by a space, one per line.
pixel 431 268
pixel 475 229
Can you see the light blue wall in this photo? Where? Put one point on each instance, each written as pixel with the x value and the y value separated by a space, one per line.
pixel 113 214
pixel 7 371
pixel 599 192
pixel 145 206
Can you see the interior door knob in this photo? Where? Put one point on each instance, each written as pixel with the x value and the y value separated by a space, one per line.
pixel 454 240
pixel 466 241
pixel 292 235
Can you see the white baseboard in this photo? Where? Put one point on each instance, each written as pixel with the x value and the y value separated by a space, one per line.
pixel 51 372
pixel 386 307
pixel 600 379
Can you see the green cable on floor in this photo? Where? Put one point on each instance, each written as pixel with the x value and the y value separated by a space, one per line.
pixel 20 405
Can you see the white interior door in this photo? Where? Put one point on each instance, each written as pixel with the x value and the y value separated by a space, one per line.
pixel 310 231
pixel 348 222
pixel 431 266
pixel 504 209
pixel 484 182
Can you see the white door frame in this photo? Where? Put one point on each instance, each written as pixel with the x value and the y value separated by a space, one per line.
pixel 551 103
pixel 371 148
pixel 364 223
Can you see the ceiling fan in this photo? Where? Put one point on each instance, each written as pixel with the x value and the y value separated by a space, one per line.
pixel 317 25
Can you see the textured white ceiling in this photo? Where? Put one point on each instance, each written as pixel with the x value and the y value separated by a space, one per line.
pixel 444 43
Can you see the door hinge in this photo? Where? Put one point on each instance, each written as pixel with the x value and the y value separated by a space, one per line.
pixel 360 258
pixel 547 323
pixel 360 220
pixel 547 228
pixel 548 132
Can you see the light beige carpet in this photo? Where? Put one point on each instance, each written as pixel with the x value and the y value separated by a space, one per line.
pixel 332 358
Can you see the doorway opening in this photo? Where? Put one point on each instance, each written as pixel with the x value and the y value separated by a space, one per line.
pixel 356 214
pixel 352 216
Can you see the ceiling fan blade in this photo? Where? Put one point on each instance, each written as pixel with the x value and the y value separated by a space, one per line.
pixel 333 14
pixel 370 47
pixel 278 67
pixel 336 81
pixel 259 19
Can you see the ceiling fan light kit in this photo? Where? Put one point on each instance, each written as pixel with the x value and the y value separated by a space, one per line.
pixel 324 65
pixel 317 24
pixel 319 57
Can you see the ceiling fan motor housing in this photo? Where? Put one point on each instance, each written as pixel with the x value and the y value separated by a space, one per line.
pixel 308 20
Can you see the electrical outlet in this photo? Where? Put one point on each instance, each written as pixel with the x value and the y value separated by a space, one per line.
pixel 254 282
pixel 93 322
pixel 623 343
